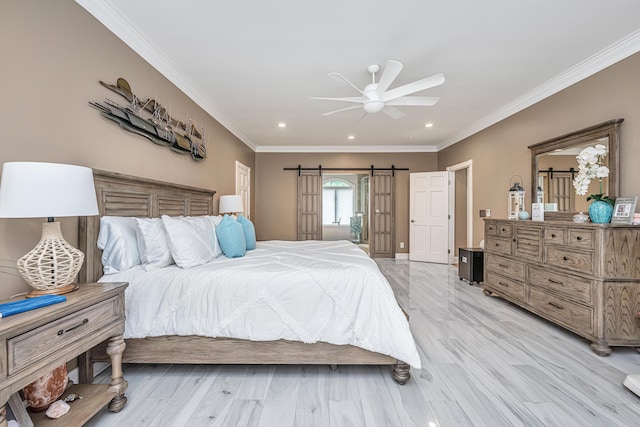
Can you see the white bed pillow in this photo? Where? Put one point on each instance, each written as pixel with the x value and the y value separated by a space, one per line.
pixel 192 240
pixel 152 243
pixel 119 244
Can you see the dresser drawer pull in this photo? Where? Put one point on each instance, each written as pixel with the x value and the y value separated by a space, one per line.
pixel 84 322
pixel 503 284
pixel 564 258
pixel 555 281
pixel 558 306
pixel 504 229
pixel 553 236
pixel 579 238
pixel 503 265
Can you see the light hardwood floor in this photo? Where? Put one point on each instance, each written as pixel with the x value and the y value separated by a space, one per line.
pixel 485 363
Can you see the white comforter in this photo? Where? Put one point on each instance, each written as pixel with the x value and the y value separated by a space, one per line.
pixel 301 291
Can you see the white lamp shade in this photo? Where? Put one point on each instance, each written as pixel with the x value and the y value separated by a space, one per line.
pixel 35 190
pixel 231 204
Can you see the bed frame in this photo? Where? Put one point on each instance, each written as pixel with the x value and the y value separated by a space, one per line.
pixel 124 195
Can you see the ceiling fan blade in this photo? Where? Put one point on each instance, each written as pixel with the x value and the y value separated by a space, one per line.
pixel 416 86
pixel 392 112
pixel 364 113
pixel 391 71
pixel 342 109
pixel 344 99
pixel 339 77
pixel 414 100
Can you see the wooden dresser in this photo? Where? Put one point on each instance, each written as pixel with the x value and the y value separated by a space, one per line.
pixel 37 341
pixel 583 277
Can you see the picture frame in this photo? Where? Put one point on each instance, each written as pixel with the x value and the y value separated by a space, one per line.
pixel 624 210
pixel 17 410
pixel 537 212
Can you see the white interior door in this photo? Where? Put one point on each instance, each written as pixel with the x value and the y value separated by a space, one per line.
pixel 429 217
pixel 243 186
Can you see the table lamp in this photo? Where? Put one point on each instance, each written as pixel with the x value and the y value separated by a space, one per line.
pixel 231 204
pixel 33 190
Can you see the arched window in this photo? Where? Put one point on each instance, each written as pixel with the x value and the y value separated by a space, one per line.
pixel 337 201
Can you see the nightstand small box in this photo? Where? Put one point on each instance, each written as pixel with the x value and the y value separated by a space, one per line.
pixel 471 264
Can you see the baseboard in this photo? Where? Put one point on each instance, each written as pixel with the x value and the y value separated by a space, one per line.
pixel 98 367
pixel 403 255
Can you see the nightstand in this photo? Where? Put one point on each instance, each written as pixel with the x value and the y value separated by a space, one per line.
pixel 37 341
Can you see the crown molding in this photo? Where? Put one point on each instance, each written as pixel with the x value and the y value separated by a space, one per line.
pixel 616 52
pixel 114 22
pixel 346 149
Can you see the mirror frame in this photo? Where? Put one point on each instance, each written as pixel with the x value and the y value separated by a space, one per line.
pixel 610 129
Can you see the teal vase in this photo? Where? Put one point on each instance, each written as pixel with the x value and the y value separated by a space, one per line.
pixel 600 212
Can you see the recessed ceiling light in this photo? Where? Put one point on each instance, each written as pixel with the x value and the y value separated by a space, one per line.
pixel 351 137
pixel 429 125
pixel 282 125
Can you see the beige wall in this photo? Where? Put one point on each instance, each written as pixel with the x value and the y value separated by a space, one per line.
pixel 500 151
pixel 276 191
pixel 53 54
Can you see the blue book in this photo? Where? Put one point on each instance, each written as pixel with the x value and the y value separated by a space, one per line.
pixel 15 307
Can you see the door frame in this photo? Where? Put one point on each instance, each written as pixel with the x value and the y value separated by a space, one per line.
pixel 452 206
pixel 246 200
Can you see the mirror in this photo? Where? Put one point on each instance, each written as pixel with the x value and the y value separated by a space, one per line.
pixel 554 166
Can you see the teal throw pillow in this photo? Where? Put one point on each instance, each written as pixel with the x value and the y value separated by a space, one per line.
pixel 231 237
pixel 249 232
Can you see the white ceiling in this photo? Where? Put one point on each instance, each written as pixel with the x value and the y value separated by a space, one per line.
pixel 253 64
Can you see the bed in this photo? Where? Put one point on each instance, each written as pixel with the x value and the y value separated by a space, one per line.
pixel 123 195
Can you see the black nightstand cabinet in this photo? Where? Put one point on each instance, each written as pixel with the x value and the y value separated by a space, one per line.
pixel 471 265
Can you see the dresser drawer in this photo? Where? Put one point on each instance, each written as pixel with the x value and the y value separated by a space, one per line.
pixel 504 230
pixel 506 267
pixel 503 286
pixel 575 288
pixel 501 246
pixel 572 260
pixel 567 313
pixel 583 239
pixel 26 349
pixel 490 229
pixel 554 236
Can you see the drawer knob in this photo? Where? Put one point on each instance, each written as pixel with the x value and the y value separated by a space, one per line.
pixel 62 331
pixel 564 258
pixel 578 238
pixel 553 235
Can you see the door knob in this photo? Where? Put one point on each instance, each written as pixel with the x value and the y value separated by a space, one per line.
pixel 413 220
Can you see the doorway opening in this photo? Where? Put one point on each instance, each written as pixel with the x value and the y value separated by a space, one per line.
pixel 345 208
pixel 461 208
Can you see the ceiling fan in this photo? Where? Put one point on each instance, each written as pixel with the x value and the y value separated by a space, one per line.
pixel 375 96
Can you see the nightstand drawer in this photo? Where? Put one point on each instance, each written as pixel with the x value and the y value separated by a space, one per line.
pixel 25 349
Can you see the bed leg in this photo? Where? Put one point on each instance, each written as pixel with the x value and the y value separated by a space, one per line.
pixel 401 373
pixel 333 368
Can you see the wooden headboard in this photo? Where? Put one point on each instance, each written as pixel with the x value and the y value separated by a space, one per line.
pixel 124 195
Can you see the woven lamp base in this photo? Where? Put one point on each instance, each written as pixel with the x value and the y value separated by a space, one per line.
pixel 52 266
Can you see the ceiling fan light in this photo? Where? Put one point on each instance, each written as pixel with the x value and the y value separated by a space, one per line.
pixel 373 106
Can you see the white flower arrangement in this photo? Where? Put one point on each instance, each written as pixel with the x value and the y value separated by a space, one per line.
pixel 590 167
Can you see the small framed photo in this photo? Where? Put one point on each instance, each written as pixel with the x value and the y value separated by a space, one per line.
pixel 17 411
pixel 537 211
pixel 624 209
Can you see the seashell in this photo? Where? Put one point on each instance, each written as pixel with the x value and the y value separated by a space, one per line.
pixel 57 409
pixel 72 397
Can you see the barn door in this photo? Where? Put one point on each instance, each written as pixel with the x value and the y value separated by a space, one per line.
pixel 310 205
pixel 382 215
